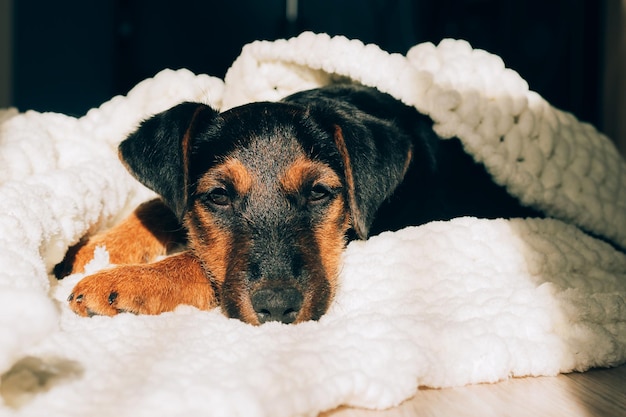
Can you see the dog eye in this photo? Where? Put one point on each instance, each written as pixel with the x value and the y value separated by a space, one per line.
pixel 219 196
pixel 318 193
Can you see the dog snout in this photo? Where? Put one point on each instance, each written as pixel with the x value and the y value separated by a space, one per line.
pixel 277 304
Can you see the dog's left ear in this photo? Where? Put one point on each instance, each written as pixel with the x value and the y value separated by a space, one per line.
pixel 159 151
pixel 375 152
pixel 375 158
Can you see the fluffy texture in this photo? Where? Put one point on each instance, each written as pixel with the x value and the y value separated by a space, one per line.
pixel 444 304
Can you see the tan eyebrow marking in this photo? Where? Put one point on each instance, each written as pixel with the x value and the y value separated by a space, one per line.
pixel 231 170
pixel 303 170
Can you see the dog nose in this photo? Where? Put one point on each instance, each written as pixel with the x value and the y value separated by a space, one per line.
pixel 277 304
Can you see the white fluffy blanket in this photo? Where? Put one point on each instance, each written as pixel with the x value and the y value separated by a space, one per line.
pixel 444 304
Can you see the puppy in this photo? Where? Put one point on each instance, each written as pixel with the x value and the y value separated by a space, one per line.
pixel 265 196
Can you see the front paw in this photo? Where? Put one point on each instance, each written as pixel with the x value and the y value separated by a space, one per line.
pixel 145 289
pixel 110 292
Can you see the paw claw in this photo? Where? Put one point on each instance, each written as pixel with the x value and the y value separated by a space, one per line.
pixel 112 297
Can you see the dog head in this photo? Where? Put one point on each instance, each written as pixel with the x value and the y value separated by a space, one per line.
pixel 269 193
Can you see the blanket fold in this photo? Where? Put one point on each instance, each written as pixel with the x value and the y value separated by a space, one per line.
pixel 440 305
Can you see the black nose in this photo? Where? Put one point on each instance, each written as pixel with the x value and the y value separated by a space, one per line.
pixel 277 304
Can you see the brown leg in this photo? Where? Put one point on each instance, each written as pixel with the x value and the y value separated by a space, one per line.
pixel 146 234
pixel 145 289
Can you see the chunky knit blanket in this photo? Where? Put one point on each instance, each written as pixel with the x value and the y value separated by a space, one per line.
pixel 444 304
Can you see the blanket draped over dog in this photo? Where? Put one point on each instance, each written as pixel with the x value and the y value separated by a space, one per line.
pixel 444 304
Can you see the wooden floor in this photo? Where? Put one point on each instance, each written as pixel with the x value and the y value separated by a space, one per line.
pixel 594 393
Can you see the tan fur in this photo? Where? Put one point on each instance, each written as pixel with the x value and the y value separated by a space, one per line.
pixel 330 236
pixel 148 233
pixel 231 169
pixel 345 156
pixel 302 169
pixel 211 243
pixel 145 289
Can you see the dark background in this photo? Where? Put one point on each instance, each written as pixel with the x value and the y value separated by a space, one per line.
pixel 71 55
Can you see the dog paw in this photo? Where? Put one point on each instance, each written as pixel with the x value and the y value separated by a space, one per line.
pixel 144 289
pixel 110 292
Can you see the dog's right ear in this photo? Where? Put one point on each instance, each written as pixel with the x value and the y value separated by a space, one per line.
pixel 159 151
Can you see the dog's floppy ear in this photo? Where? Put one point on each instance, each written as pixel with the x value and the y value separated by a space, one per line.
pixel 375 158
pixel 159 151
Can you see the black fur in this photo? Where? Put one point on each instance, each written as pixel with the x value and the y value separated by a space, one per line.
pixel 442 181
pixel 156 153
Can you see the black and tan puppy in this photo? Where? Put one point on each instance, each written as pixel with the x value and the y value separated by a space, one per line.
pixel 265 197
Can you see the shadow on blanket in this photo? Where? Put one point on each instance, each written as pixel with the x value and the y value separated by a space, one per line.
pixel 32 376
